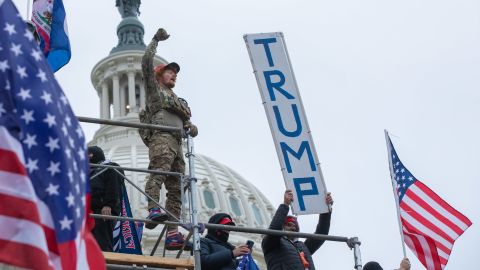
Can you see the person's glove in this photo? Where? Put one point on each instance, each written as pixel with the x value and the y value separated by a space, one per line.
pixel 191 128
pixel 161 35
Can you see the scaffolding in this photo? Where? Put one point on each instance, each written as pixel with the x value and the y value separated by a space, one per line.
pixel 188 191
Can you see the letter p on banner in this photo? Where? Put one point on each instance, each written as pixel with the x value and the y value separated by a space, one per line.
pixel 288 122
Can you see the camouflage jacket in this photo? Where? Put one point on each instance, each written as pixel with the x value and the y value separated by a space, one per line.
pixel 159 98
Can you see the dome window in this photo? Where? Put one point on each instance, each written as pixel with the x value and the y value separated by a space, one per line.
pixel 208 197
pixel 235 206
pixel 258 215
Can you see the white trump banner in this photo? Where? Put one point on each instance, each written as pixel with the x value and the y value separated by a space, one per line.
pixel 288 122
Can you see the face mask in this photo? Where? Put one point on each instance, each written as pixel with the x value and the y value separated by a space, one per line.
pixel 222 236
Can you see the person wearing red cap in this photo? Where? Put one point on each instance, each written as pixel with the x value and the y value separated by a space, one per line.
pixel 163 107
pixel 283 252
pixel 404 265
pixel 216 253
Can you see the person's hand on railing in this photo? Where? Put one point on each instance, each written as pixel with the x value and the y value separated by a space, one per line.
pixel 106 210
pixel 191 129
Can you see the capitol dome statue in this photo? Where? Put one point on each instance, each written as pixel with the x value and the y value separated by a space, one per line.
pixel 118 81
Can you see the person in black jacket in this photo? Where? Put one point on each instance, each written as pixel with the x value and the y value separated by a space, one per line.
pixel 289 253
pixel 216 252
pixel 105 197
pixel 404 265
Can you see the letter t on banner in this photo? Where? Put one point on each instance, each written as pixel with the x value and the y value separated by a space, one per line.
pixel 288 122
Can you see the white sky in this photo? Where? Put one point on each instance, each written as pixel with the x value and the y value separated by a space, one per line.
pixel 411 67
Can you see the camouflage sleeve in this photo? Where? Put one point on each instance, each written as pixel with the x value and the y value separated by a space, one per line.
pixel 147 67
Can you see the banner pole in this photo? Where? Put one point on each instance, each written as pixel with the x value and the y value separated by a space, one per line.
pixel 395 194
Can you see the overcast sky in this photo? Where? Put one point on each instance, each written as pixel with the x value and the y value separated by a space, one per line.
pixel 411 67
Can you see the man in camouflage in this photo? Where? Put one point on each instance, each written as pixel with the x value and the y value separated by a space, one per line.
pixel 163 107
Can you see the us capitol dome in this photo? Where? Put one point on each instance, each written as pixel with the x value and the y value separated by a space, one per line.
pixel 118 81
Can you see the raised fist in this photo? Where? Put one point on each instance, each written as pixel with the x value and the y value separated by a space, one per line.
pixel 161 35
pixel 288 197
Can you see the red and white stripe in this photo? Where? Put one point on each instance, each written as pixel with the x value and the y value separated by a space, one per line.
pixel 430 225
pixel 27 237
pixel 23 233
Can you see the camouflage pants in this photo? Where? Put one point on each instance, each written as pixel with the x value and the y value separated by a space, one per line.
pixel 165 153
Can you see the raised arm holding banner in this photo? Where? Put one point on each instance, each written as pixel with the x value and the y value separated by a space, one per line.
pixel 288 122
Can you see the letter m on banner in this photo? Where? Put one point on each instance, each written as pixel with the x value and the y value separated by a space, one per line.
pixel 288 122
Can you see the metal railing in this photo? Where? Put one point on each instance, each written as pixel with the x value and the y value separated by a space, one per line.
pixel 189 184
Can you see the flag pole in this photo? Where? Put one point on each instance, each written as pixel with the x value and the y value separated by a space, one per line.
pixel 395 194
pixel 28 10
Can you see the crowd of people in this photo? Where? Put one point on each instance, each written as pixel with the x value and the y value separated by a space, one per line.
pixel 163 107
pixel 280 252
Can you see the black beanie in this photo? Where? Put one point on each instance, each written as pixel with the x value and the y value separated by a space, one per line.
pixel 98 155
pixel 372 266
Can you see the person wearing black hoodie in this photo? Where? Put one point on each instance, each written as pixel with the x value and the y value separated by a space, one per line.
pixel 287 253
pixel 216 252
pixel 106 193
pixel 404 265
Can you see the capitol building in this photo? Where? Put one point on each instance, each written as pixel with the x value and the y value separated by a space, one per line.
pixel 118 81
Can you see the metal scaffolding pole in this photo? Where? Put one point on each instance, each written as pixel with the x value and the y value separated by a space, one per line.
pixel 354 244
pixel 145 194
pixel 93 165
pixel 192 187
pixel 246 230
pixel 127 124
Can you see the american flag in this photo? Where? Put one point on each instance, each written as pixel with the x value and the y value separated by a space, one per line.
pixel 430 225
pixel 44 193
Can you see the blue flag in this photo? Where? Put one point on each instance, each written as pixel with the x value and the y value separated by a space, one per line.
pixel 127 235
pixel 51 26
pixel 247 263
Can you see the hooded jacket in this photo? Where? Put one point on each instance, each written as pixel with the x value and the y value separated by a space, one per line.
pixel 216 254
pixel 105 187
pixel 283 254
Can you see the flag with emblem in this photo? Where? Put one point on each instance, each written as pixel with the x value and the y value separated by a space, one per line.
pixel 429 225
pixel 50 22
pixel 127 235
pixel 44 192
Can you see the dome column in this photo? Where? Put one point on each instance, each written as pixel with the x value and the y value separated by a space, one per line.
pixel 123 101
pixel 142 95
pixel 116 96
pixel 132 100
pixel 105 102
